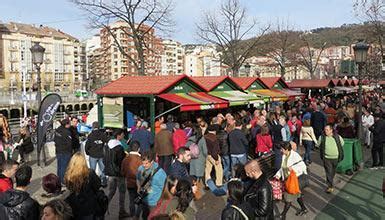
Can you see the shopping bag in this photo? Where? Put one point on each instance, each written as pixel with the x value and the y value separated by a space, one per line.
pixel 292 184
pixel 277 187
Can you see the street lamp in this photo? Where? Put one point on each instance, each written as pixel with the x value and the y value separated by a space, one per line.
pixel 37 59
pixel 360 56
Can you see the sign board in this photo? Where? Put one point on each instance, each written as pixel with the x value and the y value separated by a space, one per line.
pixel 113 112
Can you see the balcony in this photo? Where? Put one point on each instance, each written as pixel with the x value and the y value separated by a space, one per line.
pixel 46 61
pixel 14 70
pixel 67 52
pixel 48 51
pixel 13 59
pixel 67 62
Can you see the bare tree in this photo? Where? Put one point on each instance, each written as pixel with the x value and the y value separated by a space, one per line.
pixel 228 28
pixel 282 45
pixel 372 12
pixel 309 56
pixel 141 17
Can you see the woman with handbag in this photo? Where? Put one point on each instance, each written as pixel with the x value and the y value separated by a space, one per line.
pixel 292 162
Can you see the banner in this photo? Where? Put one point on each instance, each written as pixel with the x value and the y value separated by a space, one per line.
pixel 113 112
pixel 47 112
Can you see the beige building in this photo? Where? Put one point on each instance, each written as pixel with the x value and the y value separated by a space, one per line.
pixel 172 58
pixel 64 58
pixel 95 75
pixel 203 60
pixel 115 64
pixel 267 67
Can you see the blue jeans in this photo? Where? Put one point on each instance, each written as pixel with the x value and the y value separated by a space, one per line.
pixel 308 148
pixel 226 166
pixel 238 158
pixel 62 163
pixel 98 161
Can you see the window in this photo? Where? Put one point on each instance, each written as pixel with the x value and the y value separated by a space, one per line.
pixel 115 70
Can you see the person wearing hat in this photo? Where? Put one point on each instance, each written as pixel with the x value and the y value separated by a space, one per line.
pixel 63 147
pixel 95 143
pixel 378 140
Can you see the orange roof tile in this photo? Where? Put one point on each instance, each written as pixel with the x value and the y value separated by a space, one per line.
pixel 244 82
pixel 135 85
pixel 210 82
pixel 271 81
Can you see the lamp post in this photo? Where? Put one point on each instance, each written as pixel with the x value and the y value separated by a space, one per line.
pixel 360 56
pixel 37 59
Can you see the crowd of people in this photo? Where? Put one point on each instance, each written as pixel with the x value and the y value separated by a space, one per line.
pixel 165 173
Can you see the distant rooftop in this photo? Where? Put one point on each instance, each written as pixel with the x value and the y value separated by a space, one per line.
pixel 13 27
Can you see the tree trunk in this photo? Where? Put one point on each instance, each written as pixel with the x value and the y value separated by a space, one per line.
pixel 283 70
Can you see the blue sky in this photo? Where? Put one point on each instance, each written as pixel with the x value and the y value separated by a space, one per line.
pixel 302 14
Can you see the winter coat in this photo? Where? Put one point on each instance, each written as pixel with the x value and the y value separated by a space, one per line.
pixel 197 166
pixel 18 205
pixel 43 198
pixel 156 184
pixel 276 132
pixel 27 146
pixel 5 183
pixel 260 196
pixel 178 170
pixel 346 130
pixel 223 142
pixel 163 143
pixel 179 139
pixel 318 122
pixel 145 139
pixel 264 143
pixel 231 213
pixel 130 165
pixel 84 203
pixel 378 129
pixel 238 142
pixel 63 141
pixel 113 158
pixel 294 161
pixel 212 145
pixel 75 138
pixel 95 143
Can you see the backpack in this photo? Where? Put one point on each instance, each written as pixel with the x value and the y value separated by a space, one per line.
pixel 194 150
pixel 110 168
pixel 102 201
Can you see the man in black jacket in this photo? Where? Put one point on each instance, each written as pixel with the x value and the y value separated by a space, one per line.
pixel 238 144
pixel 378 129
pixel 74 134
pixel 114 155
pixel 260 194
pixel 63 147
pixel 178 168
pixel 94 149
pixel 17 203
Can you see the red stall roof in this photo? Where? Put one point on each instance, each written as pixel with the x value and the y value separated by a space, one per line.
pixel 135 85
pixel 271 81
pixel 210 82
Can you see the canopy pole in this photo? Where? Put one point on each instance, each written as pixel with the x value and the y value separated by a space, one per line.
pixel 170 110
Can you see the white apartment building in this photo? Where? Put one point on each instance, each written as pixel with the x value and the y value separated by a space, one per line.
pixel 172 58
pixel 64 58
pixel 202 60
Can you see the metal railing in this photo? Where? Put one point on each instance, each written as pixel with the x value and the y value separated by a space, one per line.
pixel 16 98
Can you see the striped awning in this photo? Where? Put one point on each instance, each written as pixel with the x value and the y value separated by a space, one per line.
pixel 195 101
pixel 235 97
pixel 275 95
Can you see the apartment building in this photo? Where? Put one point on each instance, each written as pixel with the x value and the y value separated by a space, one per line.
pixel 64 58
pixel 115 64
pixel 203 60
pixel 95 75
pixel 172 58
